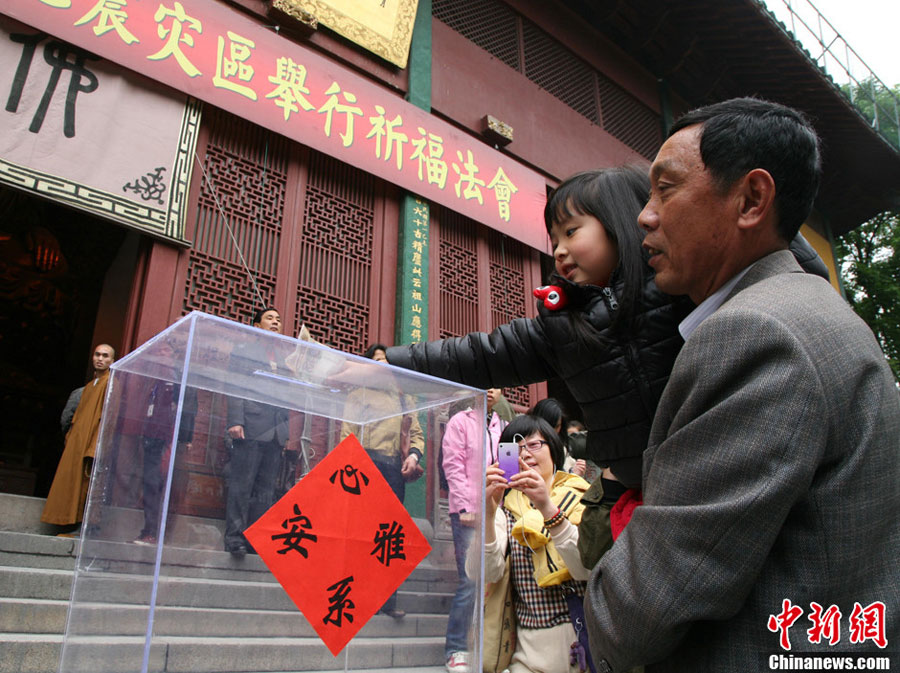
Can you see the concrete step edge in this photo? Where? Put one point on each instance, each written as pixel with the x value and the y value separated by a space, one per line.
pixel 217 641
pixel 137 577
pixel 123 558
pixel 184 609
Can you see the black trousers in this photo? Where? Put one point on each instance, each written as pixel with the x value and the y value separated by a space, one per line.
pixel 390 470
pixel 252 471
pixel 152 483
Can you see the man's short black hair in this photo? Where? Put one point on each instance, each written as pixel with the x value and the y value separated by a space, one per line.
pixel 257 317
pixel 741 134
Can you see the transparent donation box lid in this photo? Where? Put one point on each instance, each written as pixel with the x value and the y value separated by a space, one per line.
pixel 246 512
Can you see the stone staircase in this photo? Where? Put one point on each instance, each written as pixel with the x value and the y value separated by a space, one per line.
pixel 214 612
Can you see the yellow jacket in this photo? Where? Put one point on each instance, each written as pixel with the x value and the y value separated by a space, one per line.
pixel 383 436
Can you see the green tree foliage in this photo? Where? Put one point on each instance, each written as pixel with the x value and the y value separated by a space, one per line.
pixel 869 258
pixel 878 104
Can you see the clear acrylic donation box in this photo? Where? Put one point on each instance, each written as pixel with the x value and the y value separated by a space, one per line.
pixel 253 507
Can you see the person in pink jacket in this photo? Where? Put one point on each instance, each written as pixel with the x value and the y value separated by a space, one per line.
pixel 464 466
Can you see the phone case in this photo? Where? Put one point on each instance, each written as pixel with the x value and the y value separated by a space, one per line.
pixel 509 459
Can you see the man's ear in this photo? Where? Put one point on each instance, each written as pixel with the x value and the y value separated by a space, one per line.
pixel 757 198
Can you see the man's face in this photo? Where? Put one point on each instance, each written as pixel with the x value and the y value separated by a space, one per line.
pixel 270 320
pixel 102 358
pixel 689 221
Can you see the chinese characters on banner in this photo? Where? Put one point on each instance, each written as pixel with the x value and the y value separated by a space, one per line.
pixel 223 57
pixel 67 109
pixel 865 624
pixel 340 543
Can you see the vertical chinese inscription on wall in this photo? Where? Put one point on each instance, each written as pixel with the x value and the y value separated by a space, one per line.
pixel 412 308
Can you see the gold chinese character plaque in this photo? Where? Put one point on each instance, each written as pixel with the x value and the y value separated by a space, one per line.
pixel 384 27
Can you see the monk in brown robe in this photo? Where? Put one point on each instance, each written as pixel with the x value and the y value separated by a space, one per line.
pixel 68 493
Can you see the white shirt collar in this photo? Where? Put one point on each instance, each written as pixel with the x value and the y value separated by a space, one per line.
pixel 709 305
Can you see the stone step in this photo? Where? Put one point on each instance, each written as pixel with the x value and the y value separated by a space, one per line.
pixel 43 583
pixel 32 653
pixel 30 615
pixel 49 616
pixel 37 551
pixel 41 551
pixel 106 587
pixel 22 514
pixel 214 613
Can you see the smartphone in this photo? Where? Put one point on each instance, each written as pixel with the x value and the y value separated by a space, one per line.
pixel 509 459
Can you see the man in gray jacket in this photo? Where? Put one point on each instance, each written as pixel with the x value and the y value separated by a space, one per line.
pixel 771 518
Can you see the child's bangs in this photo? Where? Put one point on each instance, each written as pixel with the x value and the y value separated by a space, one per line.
pixel 567 201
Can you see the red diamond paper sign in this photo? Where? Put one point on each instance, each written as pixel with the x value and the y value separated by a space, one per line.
pixel 340 543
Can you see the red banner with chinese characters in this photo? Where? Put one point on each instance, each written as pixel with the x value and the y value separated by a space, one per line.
pixel 339 543
pixel 225 58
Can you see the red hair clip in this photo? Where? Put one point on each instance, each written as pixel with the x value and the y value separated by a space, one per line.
pixel 553 296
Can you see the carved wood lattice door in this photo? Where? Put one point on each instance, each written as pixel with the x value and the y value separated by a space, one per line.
pixel 484 279
pixel 304 224
pixel 335 276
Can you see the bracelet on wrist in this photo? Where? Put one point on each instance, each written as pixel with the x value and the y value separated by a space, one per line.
pixel 555 520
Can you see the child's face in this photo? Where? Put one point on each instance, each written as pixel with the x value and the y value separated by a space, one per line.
pixel 582 250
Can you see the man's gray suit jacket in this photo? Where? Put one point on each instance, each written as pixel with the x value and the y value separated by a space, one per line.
pixel 261 422
pixel 772 473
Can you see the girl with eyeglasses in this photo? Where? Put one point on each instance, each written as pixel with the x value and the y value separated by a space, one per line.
pixel 533 519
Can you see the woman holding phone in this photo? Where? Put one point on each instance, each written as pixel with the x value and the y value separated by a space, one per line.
pixel 535 516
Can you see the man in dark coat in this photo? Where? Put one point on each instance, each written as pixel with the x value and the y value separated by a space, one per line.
pixel 156 436
pixel 258 433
